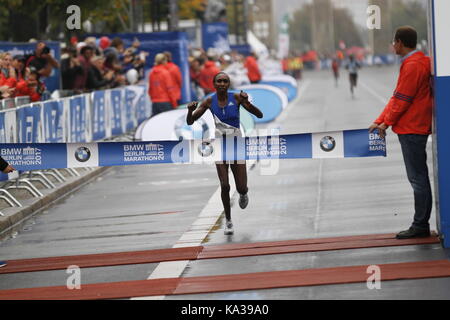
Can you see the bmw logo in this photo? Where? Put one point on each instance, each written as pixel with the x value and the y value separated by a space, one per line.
pixel 327 143
pixel 82 154
pixel 205 149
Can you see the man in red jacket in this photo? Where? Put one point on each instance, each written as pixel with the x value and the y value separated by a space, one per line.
pixel 254 75
pixel 409 112
pixel 162 88
pixel 175 73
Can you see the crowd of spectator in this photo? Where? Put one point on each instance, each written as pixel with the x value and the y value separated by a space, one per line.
pixel 100 64
pixel 85 66
pixel 96 64
pixel 20 75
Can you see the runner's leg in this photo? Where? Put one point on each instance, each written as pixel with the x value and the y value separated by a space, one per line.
pixel 240 177
pixel 222 172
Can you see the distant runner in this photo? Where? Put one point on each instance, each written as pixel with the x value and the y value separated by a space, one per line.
pixel 335 68
pixel 224 107
pixel 352 66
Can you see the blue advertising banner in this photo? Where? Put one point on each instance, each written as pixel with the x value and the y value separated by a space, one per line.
pixel 36 156
pixel 78 119
pixel 29 123
pixel 288 89
pixel 53 82
pixel 98 115
pixel 53 121
pixel 215 35
pixel 116 112
pixel 2 128
pixel 338 144
pixel 130 107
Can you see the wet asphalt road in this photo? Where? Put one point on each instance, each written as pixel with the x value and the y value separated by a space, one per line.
pixel 150 207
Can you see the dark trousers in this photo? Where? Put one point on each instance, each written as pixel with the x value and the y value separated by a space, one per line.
pixel 415 157
pixel 158 107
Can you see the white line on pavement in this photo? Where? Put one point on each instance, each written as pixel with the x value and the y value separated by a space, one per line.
pixel 374 93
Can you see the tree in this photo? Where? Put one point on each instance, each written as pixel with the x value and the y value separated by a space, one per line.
pixel 412 14
pixel 191 9
pixel 301 30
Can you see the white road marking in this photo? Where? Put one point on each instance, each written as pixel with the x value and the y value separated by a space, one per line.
pixel 319 198
pixel 374 93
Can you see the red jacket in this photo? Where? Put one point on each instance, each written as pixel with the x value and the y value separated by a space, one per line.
pixel 409 111
pixel 176 76
pixel 162 88
pixel 22 89
pixel 252 68
pixel 4 81
pixel 206 76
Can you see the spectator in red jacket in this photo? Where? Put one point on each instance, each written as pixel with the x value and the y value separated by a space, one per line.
pixel 254 75
pixel 162 89
pixel 30 86
pixel 409 112
pixel 207 74
pixel 175 73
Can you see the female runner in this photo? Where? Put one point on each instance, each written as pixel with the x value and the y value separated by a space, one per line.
pixel 224 107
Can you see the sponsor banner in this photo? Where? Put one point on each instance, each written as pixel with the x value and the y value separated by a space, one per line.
pixel 115 112
pixel 269 99
pixel 53 121
pixel 29 123
pixel 128 153
pixel 339 144
pixel 330 145
pixel 289 90
pixel 82 155
pixel 78 123
pixel 8 133
pixel 98 115
pixel 141 109
pixel 131 99
pixel 35 156
pixel 215 35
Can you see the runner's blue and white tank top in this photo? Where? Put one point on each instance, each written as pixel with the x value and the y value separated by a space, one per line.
pixel 227 118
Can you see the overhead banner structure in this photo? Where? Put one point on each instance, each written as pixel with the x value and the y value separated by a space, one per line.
pixel 338 144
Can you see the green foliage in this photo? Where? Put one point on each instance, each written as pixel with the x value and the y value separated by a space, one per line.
pixel 412 14
pixel 300 29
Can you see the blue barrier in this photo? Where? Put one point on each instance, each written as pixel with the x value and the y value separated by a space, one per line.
pixel 98 112
pixel 29 123
pixel 53 121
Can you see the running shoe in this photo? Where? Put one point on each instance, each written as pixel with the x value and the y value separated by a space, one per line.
pixel 228 228
pixel 243 201
pixel 3 263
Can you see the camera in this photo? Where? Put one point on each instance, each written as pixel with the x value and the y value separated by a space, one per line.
pixel 46 50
